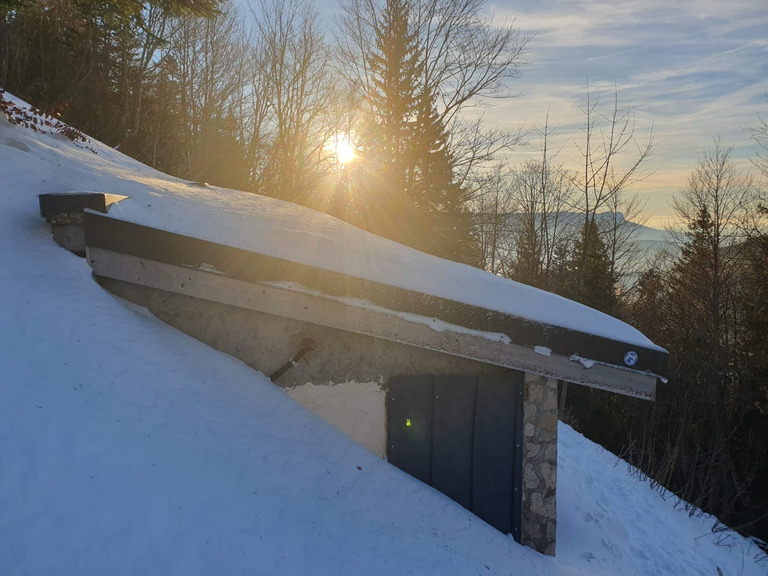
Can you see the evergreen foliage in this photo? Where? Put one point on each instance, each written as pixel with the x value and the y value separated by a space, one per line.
pixel 435 188
pixel 408 169
pixel 591 281
pixel 389 142
pixel 527 266
pixel 707 438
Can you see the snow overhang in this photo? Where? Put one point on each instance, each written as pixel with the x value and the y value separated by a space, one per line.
pixel 177 263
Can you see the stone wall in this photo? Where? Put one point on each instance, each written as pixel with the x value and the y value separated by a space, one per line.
pixel 539 514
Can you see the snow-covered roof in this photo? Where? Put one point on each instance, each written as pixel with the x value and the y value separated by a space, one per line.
pixel 287 242
pixel 290 232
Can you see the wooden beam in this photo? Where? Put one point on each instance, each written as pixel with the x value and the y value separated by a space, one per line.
pixel 291 301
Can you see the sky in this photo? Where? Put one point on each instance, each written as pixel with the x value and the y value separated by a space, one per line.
pixel 692 71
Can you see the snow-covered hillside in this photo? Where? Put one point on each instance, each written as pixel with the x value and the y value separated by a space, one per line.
pixel 129 448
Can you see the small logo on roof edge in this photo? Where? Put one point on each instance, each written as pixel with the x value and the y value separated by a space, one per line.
pixel 630 358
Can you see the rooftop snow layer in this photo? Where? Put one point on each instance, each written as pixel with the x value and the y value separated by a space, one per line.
pixel 298 234
pixel 284 230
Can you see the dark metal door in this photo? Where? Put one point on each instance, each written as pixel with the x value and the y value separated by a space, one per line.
pixel 463 436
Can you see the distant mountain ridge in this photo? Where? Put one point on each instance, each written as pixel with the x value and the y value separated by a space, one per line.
pixel 642 234
pixel 645 242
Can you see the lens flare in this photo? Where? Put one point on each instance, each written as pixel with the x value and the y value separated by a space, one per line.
pixel 343 149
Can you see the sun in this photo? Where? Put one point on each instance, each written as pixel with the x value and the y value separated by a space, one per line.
pixel 342 148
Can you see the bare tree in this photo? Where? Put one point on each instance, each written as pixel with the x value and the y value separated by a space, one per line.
pixel 719 199
pixel 626 211
pixel 475 145
pixel 543 227
pixel 613 160
pixel 293 95
pixel 608 140
pixel 468 57
pixel 759 133
pixel 137 67
pixel 525 215
pixel 208 59
pixel 718 186
pixel 702 456
pixel 494 207
pixel 714 207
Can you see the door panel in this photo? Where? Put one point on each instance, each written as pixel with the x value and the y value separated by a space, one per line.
pixel 494 452
pixel 409 425
pixel 463 436
pixel 452 431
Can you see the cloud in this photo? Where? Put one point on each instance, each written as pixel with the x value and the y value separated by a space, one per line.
pixel 694 70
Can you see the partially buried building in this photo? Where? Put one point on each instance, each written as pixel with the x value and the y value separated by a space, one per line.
pixel 447 371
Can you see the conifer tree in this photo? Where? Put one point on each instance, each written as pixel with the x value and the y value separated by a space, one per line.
pixel 409 180
pixel 388 142
pixel 591 280
pixel 527 266
pixel 88 60
pixel 706 441
pixel 438 199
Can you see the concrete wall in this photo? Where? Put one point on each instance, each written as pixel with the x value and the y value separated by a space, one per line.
pixel 356 408
pixel 265 342
pixel 343 381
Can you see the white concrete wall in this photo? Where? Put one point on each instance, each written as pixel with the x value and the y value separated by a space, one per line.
pixel 356 408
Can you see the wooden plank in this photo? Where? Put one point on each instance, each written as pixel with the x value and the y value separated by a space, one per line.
pixel 495 453
pixel 409 425
pixel 292 301
pixel 166 247
pixel 452 434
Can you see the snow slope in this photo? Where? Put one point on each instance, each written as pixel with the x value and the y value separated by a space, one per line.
pixel 127 447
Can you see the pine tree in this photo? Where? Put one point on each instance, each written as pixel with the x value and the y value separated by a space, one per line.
pixel 528 251
pixel 408 183
pixel 590 267
pixel 707 441
pixel 438 200
pixel 86 59
pixel 755 295
pixel 393 100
